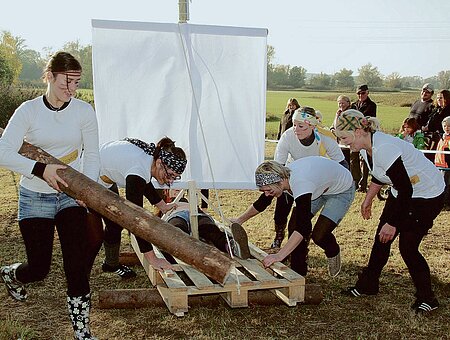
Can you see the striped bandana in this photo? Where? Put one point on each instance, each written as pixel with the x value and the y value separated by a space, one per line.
pixel 351 123
pixel 174 162
pixel 267 179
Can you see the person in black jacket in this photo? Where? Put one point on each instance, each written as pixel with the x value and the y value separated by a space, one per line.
pixel 369 109
pixel 286 119
pixel 421 109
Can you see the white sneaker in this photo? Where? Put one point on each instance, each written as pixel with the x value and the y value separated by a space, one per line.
pixel 334 265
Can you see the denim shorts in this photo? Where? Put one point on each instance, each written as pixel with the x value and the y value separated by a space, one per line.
pixel 39 205
pixel 334 206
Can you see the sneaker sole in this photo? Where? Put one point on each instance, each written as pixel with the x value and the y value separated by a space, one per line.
pixel 240 236
pixel 12 289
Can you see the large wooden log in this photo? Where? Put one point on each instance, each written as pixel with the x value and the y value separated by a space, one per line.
pixel 205 258
pixel 150 297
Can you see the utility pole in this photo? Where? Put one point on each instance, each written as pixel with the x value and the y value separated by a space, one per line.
pixel 183 11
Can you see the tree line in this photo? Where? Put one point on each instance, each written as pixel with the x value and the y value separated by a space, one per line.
pixel 21 65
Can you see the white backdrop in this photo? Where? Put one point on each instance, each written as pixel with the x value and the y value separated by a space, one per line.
pixel 202 86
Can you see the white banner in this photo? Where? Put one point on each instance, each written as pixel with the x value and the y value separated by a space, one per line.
pixel 202 86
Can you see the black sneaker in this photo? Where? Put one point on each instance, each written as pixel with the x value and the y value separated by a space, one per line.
pixel 424 307
pixel 123 271
pixel 355 292
pixel 14 286
pixel 241 241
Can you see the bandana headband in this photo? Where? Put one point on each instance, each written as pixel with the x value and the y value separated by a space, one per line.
pixel 302 116
pixel 351 123
pixel 174 162
pixel 267 179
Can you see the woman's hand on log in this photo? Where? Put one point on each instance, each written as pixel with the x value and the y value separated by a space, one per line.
pixel 51 176
pixel 158 263
pixel 81 203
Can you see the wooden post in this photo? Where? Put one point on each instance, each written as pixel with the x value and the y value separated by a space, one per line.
pixel 137 220
pixel 193 208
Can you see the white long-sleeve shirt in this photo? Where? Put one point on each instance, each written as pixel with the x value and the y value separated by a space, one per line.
pixel 57 132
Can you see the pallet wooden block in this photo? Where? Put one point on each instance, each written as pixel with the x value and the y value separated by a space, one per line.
pixel 177 286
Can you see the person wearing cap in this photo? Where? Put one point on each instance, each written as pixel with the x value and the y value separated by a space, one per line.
pixel 421 109
pixel 305 138
pixel 415 199
pixel 316 184
pixel 369 109
pixel 131 164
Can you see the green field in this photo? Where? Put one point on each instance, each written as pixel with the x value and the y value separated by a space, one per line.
pixel 392 107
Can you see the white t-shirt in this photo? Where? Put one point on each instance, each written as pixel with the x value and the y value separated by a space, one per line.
pixel 426 180
pixel 59 133
pixel 318 176
pixel 289 144
pixel 120 159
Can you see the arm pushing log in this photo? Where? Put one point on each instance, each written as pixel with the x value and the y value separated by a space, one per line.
pixel 137 220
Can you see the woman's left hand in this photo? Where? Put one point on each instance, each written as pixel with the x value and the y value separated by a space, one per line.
pixel 81 203
pixel 387 233
pixel 271 259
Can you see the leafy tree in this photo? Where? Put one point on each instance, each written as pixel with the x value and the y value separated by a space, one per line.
pixel 344 79
pixel 412 82
pixel 280 75
pixel 6 71
pixel 393 81
pixel 297 76
pixel 10 49
pixel 321 80
pixel 32 65
pixel 370 75
pixel 443 78
pixel 270 56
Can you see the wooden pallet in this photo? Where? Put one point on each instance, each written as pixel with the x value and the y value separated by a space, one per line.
pixel 177 286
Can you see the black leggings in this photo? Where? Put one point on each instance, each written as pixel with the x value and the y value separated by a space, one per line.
pixel 420 218
pixel 207 230
pixel 38 234
pixel 322 235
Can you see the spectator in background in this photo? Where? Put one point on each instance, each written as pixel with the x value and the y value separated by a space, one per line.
pixel 442 160
pixel 344 103
pixel 433 129
pixel 410 132
pixel 422 108
pixel 369 109
pixel 286 119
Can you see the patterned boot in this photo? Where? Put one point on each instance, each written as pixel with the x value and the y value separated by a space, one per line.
pixel 79 307
pixel 279 236
pixel 14 286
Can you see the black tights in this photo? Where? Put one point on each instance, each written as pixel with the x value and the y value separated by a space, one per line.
pixel 322 236
pixel 38 234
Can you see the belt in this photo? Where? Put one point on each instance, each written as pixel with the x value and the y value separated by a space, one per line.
pixel 69 158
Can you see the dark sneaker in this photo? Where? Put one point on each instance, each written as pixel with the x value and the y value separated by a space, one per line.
pixel 355 292
pixel 334 265
pixel 14 286
pixel 240 241
pixel 123 271
pixel 424 307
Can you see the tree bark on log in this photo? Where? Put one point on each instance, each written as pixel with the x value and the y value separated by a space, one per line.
pixel 205 258
pixel 150 297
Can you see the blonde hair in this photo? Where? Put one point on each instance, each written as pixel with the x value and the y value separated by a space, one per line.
pixel 271 171
pixel 351 120
pixel 446 121
pixel 342 97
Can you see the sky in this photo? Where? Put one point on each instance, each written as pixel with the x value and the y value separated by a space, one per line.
pixel 410 37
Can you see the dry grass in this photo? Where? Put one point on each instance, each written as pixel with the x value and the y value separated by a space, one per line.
pixel 386 316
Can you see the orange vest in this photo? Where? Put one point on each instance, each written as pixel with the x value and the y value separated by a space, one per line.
pixel 439 159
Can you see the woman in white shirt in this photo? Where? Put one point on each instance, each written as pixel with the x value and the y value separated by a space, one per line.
pixel 315 183
pixel 62 126
pixel 305 138
pixel 416 198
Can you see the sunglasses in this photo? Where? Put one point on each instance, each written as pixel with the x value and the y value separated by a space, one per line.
pixel 361 93
pixel 170 176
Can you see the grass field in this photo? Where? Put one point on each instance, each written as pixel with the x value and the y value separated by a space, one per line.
pixel 392 107
pixel 386 316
